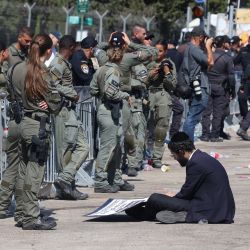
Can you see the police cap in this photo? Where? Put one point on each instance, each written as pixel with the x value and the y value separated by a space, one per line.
pixel 235 39
pixel 116 39
pixel 88 42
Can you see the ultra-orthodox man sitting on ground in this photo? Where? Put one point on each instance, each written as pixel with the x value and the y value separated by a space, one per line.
pixel 205 197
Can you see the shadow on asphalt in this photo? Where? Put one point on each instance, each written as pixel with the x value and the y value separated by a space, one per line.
pixel 113 218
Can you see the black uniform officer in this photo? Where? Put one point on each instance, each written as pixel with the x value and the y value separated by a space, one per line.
pixel 221 78
pixel 244 92
pixel 177 107
pixel 81 62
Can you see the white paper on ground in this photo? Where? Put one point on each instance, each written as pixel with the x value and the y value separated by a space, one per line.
pixel 114 206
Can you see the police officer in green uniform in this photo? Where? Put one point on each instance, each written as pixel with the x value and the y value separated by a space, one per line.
pixel 137 54
pixel 161 82
pixel 106 86
pixel 17 52
pixel 4 54
pixel 71 144
pixel 136 132
pixel 32 80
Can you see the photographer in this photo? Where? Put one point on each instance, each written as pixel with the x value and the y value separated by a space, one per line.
pixel 194 70
pixel 161 81
pixel 221 78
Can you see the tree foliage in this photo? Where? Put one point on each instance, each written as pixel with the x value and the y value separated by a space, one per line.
pixel 47 15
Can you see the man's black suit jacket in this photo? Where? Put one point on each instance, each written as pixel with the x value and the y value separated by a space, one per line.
pixel 208 189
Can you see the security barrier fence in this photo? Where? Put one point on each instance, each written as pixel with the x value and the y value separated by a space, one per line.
pixel 85 109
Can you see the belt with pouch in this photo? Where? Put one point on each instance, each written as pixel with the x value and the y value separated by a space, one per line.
pixel 36 117
pixel 69 104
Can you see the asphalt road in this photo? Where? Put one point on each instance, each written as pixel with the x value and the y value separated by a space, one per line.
pixel 75 231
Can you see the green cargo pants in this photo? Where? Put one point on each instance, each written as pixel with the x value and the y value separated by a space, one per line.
pixel 161 108
pixel 31 172
pixel 135 135
pixel 71 144
pixel 109 155
pixel 9 183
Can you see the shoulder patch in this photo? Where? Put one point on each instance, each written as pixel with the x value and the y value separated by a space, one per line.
pixel 114 83
pixel 56 72
pixel 85 68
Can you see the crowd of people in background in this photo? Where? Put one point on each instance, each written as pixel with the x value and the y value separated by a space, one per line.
pixel 138 85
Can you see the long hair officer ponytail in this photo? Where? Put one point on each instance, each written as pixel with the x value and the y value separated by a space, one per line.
pixel 35 86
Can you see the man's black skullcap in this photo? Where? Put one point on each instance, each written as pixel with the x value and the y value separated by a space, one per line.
pixel 88 42
pixel 180 137
pixel 198 31
pixel 117 39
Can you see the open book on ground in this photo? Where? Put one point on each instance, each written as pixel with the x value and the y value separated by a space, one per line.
pixel 114 206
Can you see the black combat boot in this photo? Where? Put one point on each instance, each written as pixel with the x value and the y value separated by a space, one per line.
pixel 107 189
pixel 77 194
pixel 126 187
pixel 243 134
pixel 66 190
pixel 132 172
pixel 40 224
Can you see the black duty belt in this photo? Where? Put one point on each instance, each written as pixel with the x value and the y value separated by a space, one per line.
pixel 36 117
pixel 69 104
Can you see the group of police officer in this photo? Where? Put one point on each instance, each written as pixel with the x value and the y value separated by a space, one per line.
pixel 135 87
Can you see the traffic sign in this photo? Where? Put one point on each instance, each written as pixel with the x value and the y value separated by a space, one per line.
pixel 83 6
pixel 88 21
pixel 199 1
pixel 74 19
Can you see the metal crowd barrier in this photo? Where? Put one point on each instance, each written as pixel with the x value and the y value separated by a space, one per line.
pixel 3 133
pixel 85 110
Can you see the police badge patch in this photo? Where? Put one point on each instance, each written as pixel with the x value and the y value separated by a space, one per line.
pixel 85 68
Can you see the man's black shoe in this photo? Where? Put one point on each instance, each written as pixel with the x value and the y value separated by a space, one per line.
pixel 243 134
pixel 225 136
pixel 204 138
pixel 132 172
pixel 40 224
pixel 126 187
pixel 107 189
pixel 169 217
pixel 216 139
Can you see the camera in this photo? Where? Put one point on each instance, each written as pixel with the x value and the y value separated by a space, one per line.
pixel 196 85
pixel 165 62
